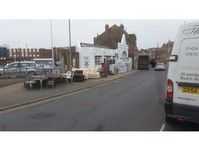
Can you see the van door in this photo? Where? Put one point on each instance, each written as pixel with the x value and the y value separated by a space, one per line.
pixel 186 88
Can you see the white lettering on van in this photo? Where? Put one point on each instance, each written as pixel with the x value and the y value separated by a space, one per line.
pixel 192 48
pixel 191 51
pixel 191 31
pixel 189 76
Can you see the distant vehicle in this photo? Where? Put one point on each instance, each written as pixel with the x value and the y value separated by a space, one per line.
pixel 153 63
pixel 20 69
pixel 143 62
pixel 160 67
pixel 182 101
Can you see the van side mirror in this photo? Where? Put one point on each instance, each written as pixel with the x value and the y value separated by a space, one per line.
pixel 173 58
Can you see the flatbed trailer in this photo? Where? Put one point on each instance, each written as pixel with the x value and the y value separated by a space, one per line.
pixel 41 81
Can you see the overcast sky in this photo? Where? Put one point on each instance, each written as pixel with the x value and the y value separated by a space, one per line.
pixel 36 33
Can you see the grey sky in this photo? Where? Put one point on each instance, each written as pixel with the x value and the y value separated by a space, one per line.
pixel 36 33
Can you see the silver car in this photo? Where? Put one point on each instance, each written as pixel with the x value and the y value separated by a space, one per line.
pixel 20 69
pixel 160 67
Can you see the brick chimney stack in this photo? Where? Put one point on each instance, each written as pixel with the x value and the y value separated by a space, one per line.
pixel 106 27
pixel 122 27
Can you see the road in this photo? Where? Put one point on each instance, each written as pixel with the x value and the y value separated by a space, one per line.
pixel 132 103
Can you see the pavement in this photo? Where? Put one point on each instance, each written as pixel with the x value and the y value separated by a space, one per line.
pixel 6 82
pixel 133 102
pixel 16 95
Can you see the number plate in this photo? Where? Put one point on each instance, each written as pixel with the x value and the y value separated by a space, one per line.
pixel 191 90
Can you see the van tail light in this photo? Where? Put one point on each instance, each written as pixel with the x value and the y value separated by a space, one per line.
pixel 169 90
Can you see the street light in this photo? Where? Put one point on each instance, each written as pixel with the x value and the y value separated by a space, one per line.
pixel 70 51
pixel 51 41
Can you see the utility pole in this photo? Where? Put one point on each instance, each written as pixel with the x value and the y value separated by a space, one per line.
pixel 51 41
pixel 70 51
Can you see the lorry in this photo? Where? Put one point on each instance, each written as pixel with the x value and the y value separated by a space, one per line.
pixel 143 62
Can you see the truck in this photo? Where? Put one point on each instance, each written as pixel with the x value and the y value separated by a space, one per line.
pixel 143 62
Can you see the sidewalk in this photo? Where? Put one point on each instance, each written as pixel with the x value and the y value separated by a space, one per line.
pixel 6 82
pixel 16 95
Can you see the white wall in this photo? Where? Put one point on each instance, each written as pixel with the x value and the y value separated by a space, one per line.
pixel 90 53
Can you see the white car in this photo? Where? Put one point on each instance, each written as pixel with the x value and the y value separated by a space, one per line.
pixel 160 67
pixel 182 100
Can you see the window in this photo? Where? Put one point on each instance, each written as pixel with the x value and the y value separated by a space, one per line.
pixel 86 61
pixel 98 60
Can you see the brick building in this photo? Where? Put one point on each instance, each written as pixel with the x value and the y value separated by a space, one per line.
pixel 113 35
pixel 63 54
pixel 45 53
pixel 161 54
pixel 23 53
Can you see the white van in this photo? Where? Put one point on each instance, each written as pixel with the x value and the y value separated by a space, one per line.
pixel 182 101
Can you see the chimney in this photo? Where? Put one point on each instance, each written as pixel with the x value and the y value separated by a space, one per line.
pixel 106 27
pixel 122 27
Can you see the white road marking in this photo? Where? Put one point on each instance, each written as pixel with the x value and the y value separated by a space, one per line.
pixel 163 127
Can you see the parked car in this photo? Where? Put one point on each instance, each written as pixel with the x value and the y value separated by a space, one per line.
pixel 160 67
pixel 182 101
pixel 20 69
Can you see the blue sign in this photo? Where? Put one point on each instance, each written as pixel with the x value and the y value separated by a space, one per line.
pixel 4 52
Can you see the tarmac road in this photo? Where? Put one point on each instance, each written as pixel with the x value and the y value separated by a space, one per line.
pixel 132 103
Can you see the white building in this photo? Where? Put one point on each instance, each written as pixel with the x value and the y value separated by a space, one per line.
pixel 91 57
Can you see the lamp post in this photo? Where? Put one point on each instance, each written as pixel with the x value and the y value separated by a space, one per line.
pixel 51 41
pixel 70 51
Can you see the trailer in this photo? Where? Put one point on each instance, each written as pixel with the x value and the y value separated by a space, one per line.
pixel 47 80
